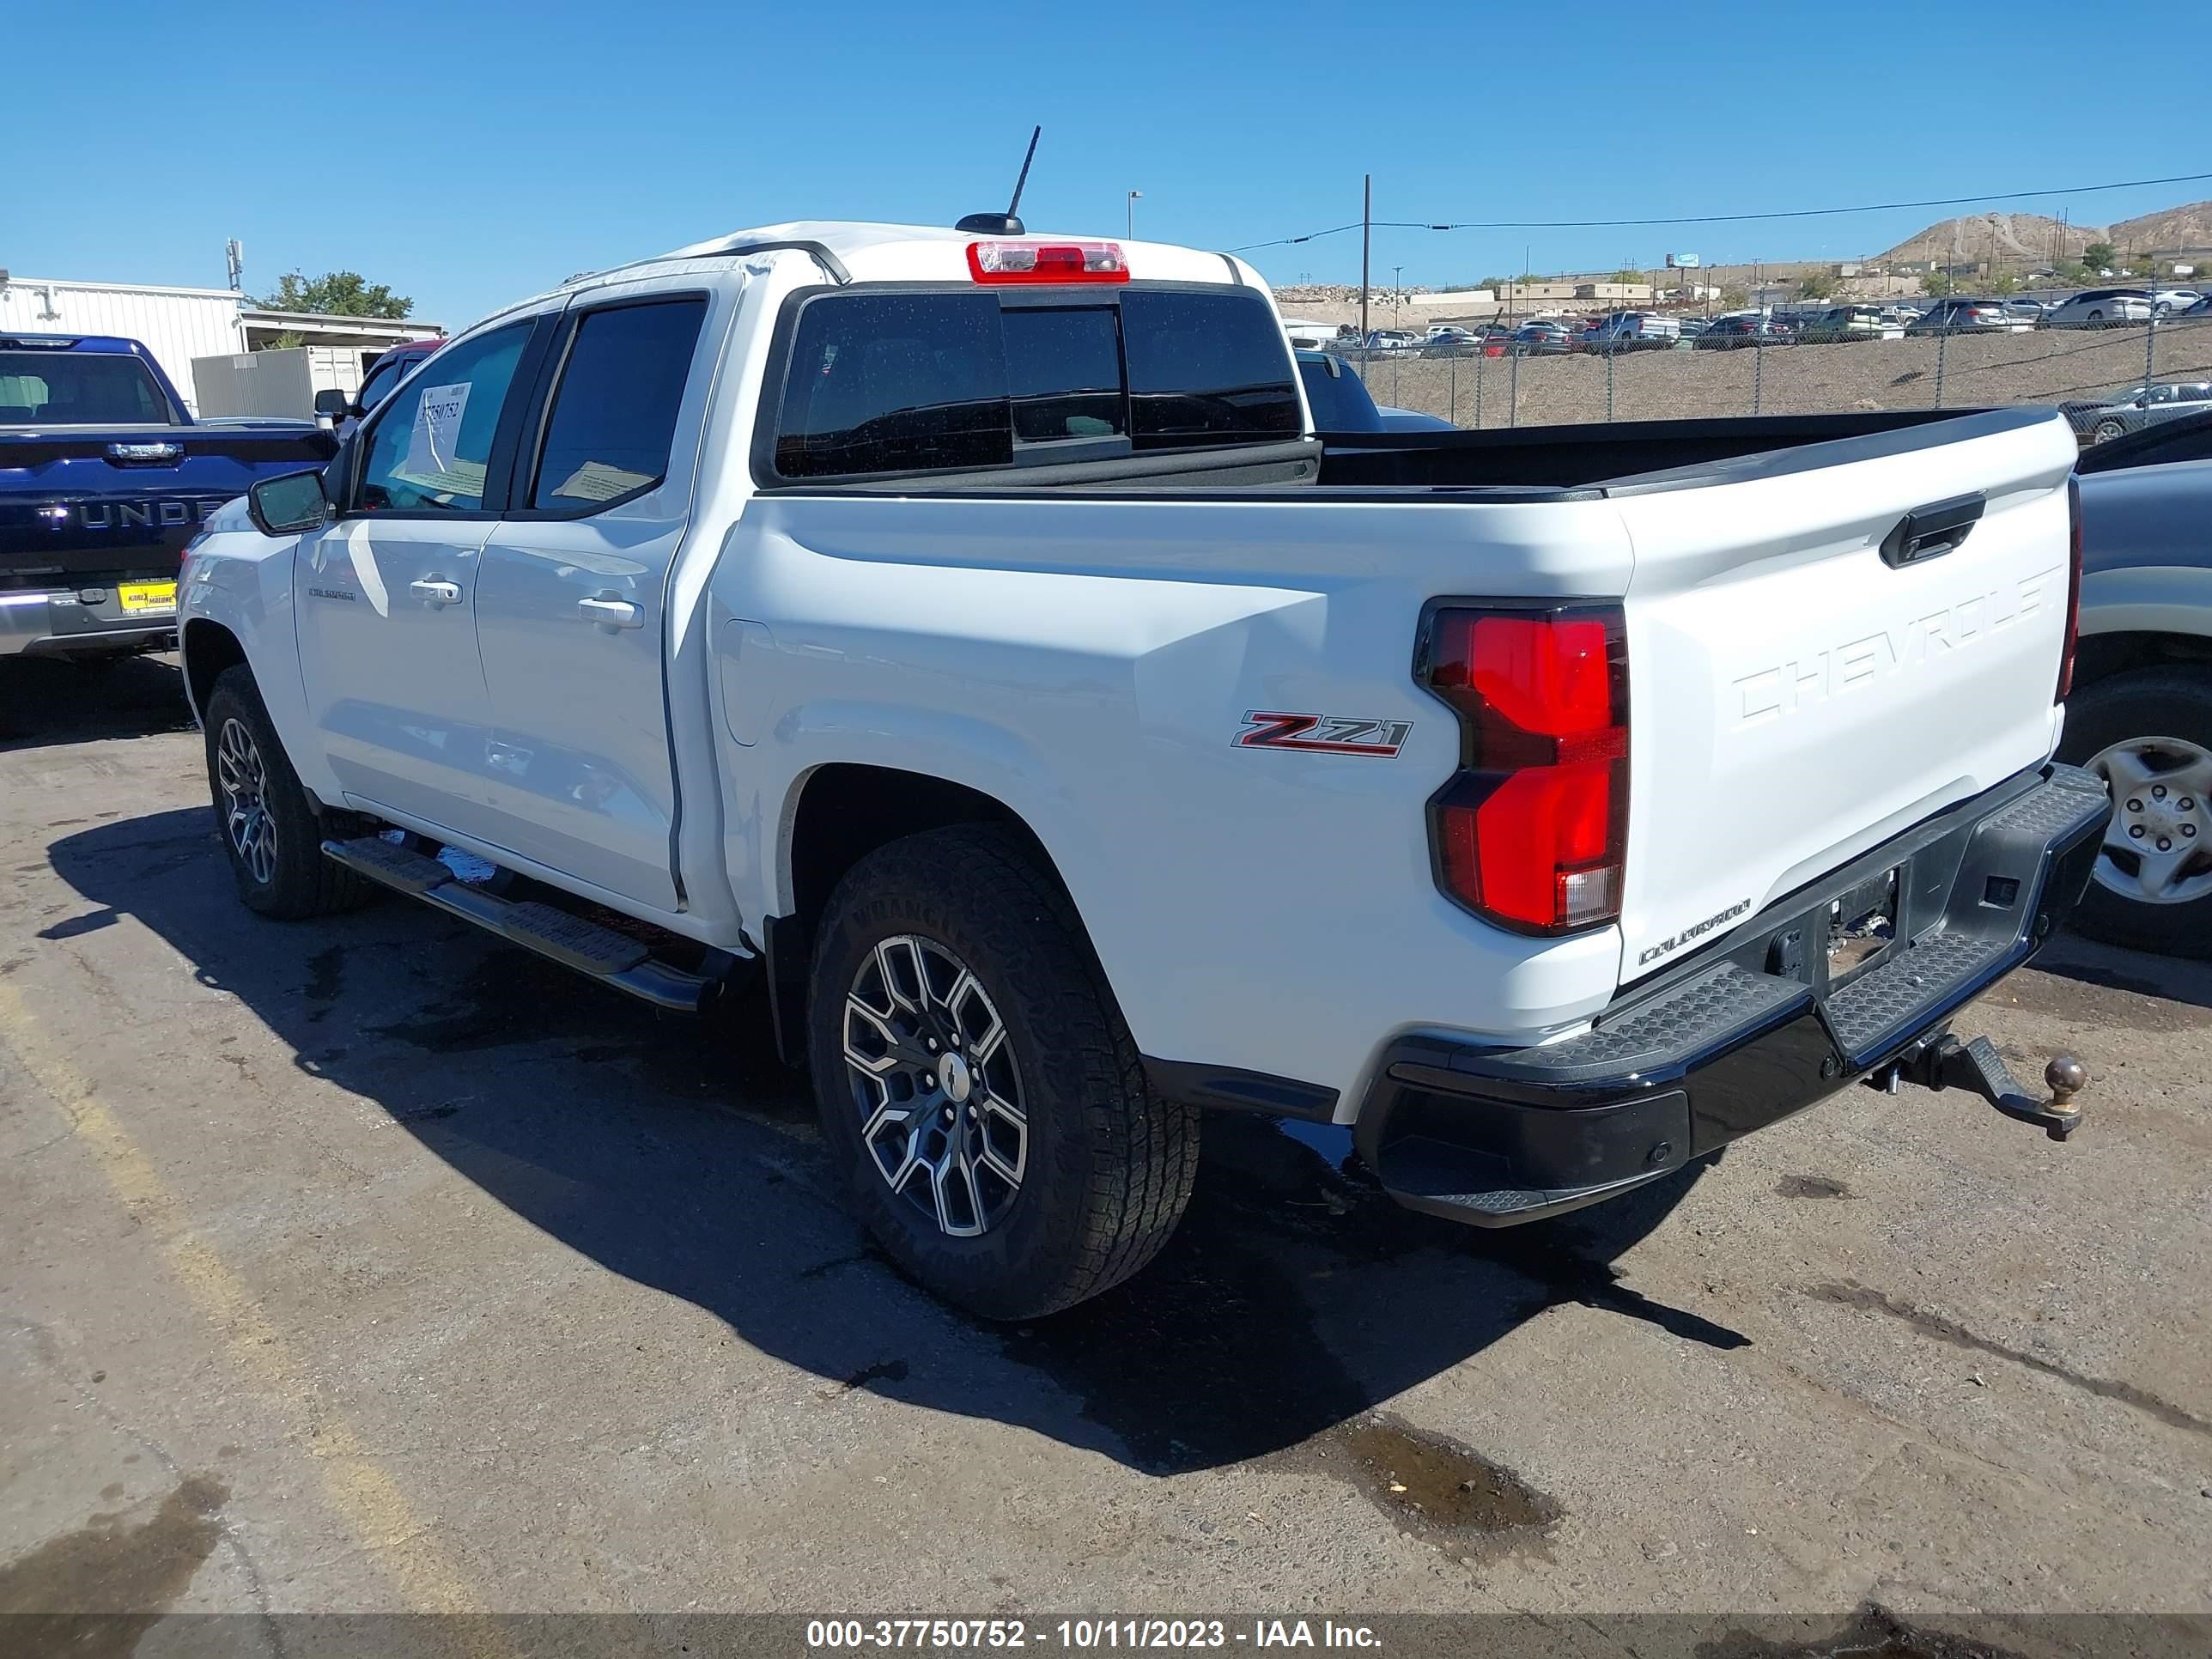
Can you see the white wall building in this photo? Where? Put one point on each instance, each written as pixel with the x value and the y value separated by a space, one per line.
pixel 178 325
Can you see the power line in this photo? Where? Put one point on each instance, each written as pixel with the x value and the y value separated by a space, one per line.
pixel 1721 218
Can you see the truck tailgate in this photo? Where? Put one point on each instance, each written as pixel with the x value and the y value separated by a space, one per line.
pixel 1797 696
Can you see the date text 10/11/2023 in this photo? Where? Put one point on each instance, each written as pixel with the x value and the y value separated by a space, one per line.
pixel 859 1635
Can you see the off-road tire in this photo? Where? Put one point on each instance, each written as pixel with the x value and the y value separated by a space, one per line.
pixel 2172 702
pixel 302 883
pixel 1108 1164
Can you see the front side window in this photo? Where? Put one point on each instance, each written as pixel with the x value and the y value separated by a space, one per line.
pixel 432 443
pixel 381 380
pixel 614 412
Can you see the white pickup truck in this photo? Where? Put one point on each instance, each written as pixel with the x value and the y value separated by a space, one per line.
pixel 966 636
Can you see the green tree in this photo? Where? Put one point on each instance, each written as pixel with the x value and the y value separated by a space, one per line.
pixel 1495 284
pixel 284 341
pixel 2004 282
pixel 2097 255
pixel 1936 284
pixel 1816 285
pixel 1626 276
pixel 336 293
pixel 2071 274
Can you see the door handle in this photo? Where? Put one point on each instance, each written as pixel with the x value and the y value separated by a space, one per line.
pixel 436 591
pixel 611 613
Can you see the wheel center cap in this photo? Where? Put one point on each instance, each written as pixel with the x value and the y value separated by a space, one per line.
pixel 954 1078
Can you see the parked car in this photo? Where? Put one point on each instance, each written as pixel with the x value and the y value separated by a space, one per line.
pixel 1391 342
pixel 1844 323
pixel 2132 408
pixel 2169 300
pixel 1690 328
pixel 1021 775
pixel 1541 339
pixel 2031 311
pixel 1448 340
pixel 2202 308
pixel 386 373
pixel 1339 401
pixel 1963 316
pixel 2140 714
pixel 104 478
pixel 1742 328
pixel 1629 331
pixel 2102 307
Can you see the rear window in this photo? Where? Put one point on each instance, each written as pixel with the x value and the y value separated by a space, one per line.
pixel 78 388
pixel 922 381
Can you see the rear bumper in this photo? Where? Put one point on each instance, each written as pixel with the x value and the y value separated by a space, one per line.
pixel 1745 1033
pixel 67 620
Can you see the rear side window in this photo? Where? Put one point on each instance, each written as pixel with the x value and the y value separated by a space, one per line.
pixel 934 381
pixel 613 415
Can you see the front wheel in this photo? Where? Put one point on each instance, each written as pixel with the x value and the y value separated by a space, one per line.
pixel 2149 735
pixel 2107 430
pixel 268 828
pixel 977 1087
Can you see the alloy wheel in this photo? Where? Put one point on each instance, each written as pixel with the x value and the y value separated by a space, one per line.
pixel 244 782
pixel 934 1081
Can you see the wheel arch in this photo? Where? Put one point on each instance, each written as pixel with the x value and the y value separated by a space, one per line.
pixel 208 649
pixel 2122 651
pixel 840 812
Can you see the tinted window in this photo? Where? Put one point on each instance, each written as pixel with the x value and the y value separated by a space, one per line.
pixel 78 388
pixel 432 440
pixel 1064 372
pixel 381 380
pixel 1204 367
pixel 614 411
pixel 1339 401
pixel 895 382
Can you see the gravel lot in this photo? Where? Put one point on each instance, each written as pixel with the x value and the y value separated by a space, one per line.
pixel 2044 366
pixel 374 1265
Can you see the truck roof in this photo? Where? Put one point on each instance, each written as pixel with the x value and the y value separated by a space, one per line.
pixel 112 343
pixel 867 252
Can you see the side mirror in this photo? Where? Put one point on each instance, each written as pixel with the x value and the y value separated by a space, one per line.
pixel 333 403
pixel 287 504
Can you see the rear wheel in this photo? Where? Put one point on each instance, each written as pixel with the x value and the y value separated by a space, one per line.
pixel 2149 735
pixel 2107 430
pixel 270 830
pixel 977 1086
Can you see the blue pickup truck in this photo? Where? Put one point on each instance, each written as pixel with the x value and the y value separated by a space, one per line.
pixel 104 478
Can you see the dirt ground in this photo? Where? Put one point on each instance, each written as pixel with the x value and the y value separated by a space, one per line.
pixel 2047 366
pixel 371 1265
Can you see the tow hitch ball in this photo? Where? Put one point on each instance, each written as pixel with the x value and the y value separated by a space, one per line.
pixel 1944 1062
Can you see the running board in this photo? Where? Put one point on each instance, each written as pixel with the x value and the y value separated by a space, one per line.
pixel 617 959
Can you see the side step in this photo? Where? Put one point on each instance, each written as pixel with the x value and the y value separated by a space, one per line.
pixel 623 961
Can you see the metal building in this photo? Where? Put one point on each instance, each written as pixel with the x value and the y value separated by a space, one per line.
pixel 179 324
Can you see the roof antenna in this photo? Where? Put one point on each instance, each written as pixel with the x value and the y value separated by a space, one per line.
pixel 1004 224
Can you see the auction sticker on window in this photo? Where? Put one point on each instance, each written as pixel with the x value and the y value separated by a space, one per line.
pixel 437 430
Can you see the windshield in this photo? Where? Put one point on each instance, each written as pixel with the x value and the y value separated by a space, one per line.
pixel 79 388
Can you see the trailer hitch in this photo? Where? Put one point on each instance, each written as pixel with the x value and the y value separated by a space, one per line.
pixel 1942 1062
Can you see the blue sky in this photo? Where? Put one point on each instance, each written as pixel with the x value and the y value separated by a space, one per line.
pixel 469 154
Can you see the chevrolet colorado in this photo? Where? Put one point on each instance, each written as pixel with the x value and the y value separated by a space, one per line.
pixel 103 478
pixel 966 636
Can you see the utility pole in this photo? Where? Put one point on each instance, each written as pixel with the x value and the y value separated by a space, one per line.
pixel 1366 232
pixel 1131 228
pixel 1397 291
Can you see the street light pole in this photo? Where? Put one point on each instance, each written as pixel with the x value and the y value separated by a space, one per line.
pixel 1397 291
pixel 1130 205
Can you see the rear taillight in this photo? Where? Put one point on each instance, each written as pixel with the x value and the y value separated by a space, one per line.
pixel 2073 586
pixel 1532 831
pixel 1047 262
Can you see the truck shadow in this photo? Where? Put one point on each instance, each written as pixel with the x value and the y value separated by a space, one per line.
pixel 51 699
pixel 684 1157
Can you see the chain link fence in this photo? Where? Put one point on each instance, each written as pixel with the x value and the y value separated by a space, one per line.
pixel 1541 378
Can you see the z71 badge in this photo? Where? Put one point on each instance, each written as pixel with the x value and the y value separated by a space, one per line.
pixel 1323 734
